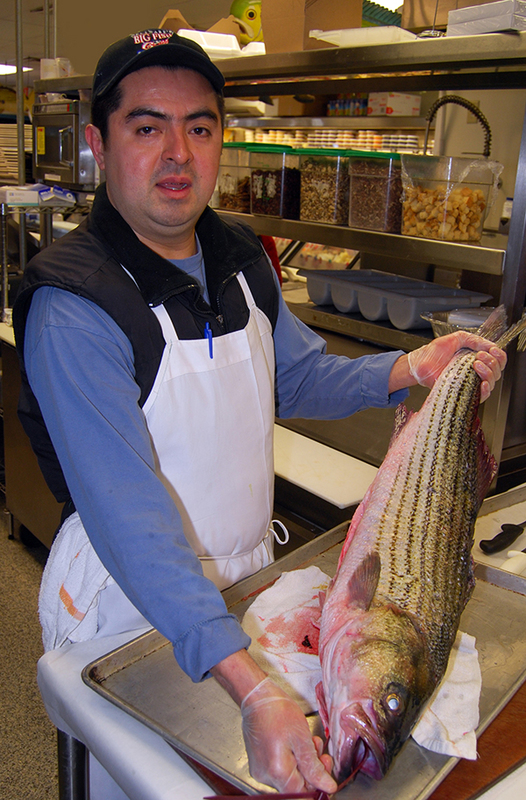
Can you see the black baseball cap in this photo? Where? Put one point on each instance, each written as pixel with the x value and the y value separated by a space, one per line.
pixel 156 47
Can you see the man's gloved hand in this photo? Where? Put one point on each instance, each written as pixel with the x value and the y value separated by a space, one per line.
pixel 281 749
pixel 426 363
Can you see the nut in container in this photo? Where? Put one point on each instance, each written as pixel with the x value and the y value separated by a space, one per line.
pixel 447 197
pixel 324 186
pixel 375 195
pixel 275 181
pixel 233 180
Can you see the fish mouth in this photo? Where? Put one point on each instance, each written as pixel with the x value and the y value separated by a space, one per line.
pixel 247 29
pixel 362 749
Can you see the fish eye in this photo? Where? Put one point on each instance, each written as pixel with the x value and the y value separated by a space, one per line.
pixel 393 702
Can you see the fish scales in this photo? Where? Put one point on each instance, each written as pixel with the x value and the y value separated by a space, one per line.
pixel 432 496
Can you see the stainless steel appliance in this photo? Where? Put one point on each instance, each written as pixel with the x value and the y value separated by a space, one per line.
pixel 60 152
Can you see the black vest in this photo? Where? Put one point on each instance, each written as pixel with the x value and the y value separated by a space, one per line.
pixel 88 262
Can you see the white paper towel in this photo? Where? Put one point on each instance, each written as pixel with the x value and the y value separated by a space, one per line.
pixel 283 623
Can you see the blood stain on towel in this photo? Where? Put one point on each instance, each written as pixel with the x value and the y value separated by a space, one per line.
pixel 293 631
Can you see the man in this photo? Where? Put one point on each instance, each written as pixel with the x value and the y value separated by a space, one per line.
pixel 156 351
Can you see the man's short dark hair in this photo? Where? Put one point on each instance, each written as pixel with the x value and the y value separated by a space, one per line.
pixel 102 107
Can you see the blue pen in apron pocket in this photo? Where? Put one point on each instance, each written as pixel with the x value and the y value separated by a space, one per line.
pixel 208 335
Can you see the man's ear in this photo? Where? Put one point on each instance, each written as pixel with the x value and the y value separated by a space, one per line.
pixel 94 140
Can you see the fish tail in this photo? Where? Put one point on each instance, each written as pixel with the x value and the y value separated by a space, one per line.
pixel 518 329
pixel 496 329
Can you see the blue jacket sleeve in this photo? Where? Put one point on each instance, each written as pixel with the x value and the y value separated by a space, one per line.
pixel 80 367
pixel 314 385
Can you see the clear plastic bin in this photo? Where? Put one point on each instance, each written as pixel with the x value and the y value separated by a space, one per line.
pixel 447 198
pixel 375 196
pixel 324 186
pixel 275 181
pixel 233 180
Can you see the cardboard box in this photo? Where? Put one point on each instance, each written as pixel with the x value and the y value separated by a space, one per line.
pixel 288 106
pixel 173 20
pixel 286 25
pixel 418 15
pixel 393 104
pixel 20 195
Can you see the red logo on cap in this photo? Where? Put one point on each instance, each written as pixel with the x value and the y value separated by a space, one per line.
pixel 149 45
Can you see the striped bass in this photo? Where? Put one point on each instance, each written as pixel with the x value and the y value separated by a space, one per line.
pixel 404 576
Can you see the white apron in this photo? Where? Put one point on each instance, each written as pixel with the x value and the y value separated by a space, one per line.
pixel 210 415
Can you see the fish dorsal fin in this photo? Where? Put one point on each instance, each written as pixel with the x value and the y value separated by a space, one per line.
pixel 364 581
pixel 401 418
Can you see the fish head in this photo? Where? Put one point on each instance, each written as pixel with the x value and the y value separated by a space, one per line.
pixel 382 678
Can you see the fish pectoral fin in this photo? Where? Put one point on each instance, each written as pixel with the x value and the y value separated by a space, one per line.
pixel 363 583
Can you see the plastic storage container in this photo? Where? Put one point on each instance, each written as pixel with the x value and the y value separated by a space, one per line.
pixel 274 181
pixel 324 186
pixel 233 180
pixel 380 296
pixel 375 192
pixel 447 198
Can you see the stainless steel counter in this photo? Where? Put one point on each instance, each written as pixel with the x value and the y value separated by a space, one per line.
pixel 143 679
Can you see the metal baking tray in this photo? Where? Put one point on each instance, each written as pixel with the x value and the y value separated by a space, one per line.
pixel 201 721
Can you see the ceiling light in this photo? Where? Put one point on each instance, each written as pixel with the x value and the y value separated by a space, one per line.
pixel 8 69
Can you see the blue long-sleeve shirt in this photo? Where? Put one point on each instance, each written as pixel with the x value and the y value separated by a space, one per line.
pixel 80 367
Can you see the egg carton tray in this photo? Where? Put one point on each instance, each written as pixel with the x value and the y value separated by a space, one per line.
pixel 379 296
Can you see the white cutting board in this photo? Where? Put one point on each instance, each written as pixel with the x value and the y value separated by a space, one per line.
pixel 336 477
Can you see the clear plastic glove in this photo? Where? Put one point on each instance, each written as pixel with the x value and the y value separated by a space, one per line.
pixel 426 363
pixel 281 749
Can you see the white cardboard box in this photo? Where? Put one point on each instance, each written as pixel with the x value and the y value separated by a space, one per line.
pixel 502 15
pixel 393 104
pixel 20 195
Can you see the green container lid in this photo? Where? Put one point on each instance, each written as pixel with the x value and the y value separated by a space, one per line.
pixel 323 151
pixel 373 154
pixel 262 147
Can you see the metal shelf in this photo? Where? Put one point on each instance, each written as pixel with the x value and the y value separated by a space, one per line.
pixel 69 84
pixel 342 123
pixel 419 57
pixel 488 257
pixel 491 61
